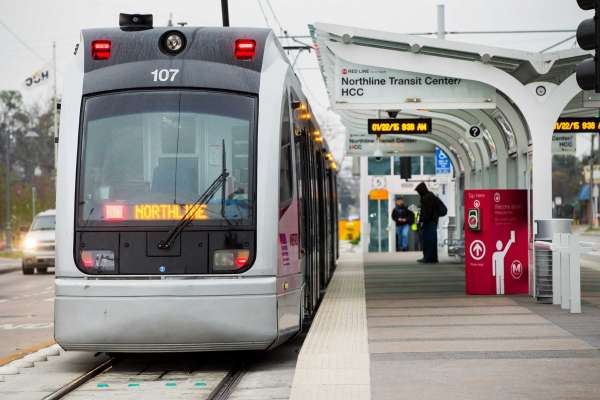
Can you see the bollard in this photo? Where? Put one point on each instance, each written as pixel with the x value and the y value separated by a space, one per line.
pixel 565 274
pixel 556 270
pixel 575 274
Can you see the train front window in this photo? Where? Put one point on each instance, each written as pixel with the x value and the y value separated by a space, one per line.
pixel 147 156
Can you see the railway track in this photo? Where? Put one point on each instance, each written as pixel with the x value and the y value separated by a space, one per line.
pixel 178 377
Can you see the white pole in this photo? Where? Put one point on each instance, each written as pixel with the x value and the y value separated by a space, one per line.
pixel 556 268
pixel 565 272
pixel 575 275
pixel 54 104
pixel 441 22
pixel 33 191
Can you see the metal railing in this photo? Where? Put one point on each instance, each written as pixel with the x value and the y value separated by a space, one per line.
pixel 565 268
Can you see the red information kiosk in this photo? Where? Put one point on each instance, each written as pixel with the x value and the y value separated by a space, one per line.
pixel 496 253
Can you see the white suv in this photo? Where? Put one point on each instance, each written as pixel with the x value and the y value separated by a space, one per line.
pixel 38 246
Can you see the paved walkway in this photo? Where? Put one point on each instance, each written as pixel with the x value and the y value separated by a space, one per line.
pixel 428 340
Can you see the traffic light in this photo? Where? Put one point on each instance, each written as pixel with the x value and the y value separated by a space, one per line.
pixel 588 71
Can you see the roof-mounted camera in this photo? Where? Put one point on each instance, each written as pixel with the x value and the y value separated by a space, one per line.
pixel 135 22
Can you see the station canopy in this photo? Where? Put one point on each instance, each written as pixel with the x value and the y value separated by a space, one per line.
pixel 461 86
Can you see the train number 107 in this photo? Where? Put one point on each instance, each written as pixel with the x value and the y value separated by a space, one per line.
pixel 164 75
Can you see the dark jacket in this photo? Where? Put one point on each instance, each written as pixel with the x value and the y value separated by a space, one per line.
pixel 402 212
pixel 429 209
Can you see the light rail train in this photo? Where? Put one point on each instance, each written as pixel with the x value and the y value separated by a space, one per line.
pixel 196 200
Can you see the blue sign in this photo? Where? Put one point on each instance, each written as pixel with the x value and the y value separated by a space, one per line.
pixel 443 165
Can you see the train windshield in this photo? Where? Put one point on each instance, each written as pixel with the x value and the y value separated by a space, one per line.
pixel 147 156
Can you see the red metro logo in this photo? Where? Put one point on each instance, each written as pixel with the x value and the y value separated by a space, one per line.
pixel 516 269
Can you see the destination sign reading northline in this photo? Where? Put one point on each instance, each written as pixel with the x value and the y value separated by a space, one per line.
pixel 396 126
pixel 577 125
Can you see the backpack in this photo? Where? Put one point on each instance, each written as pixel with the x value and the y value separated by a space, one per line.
pixel 442 210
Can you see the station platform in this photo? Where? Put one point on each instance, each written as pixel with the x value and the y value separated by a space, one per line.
pixel 391 328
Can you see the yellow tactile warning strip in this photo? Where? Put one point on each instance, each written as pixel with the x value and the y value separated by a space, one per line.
pixel 24 352
pixel 334 360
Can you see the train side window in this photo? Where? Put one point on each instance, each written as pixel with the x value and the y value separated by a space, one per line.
pixel 286 177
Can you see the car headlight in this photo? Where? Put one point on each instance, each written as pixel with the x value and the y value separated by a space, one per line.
pixel 29 243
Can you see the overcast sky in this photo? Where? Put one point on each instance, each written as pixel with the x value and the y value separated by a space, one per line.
pixel 38 23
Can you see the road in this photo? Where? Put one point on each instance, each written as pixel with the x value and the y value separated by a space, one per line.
pixel 26 308
pixel 591 259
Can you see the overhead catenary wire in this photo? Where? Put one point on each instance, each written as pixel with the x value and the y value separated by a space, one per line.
pixel 264 14
pixel 23 42
pixel 557 44
pixel 277 21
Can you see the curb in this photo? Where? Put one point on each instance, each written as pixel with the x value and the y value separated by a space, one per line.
pixel 18 362
pixel 25 352
pixel 9 269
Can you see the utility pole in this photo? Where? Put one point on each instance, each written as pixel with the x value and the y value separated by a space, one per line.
pixel 7 193
pixel 33 193
pixel 441 22
pixel 225 12
pixel 54 105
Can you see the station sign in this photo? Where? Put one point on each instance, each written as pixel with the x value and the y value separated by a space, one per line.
pixel 577 125
pixel 496 241
pixel 443 165
pixel 564 144
pixel 475 132
pixel 362 85
pixel 365 145
pixel 397 126
pixel 379 194
pixel 37 78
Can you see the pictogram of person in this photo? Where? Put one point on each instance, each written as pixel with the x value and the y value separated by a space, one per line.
pixel 498 262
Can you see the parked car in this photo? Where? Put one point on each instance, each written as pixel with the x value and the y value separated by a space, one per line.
pixel 38 245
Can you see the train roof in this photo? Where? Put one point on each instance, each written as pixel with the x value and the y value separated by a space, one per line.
pixel 208 58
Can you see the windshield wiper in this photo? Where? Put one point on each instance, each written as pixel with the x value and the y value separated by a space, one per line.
pixel 188 217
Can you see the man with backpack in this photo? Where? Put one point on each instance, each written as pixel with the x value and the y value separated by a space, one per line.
pixel 432 208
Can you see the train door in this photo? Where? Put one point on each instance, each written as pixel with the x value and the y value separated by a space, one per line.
pixel 288 208
pixel 378 222
pixel 306 214
pixel 322 219
pixel 313 208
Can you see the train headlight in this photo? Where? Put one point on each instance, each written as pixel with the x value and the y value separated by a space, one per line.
pixel 29 243
pixel 98 261
pixel 230 260
pixel 172 42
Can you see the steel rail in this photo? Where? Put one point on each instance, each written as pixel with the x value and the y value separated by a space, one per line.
pixel 77 382
pixel 226 387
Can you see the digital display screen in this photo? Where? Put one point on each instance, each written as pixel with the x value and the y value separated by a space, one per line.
pixel 577 125
pixel 152 212
pixel 396 126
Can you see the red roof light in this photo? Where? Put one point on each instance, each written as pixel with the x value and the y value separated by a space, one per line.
pixel 245 49
pixel 101 49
